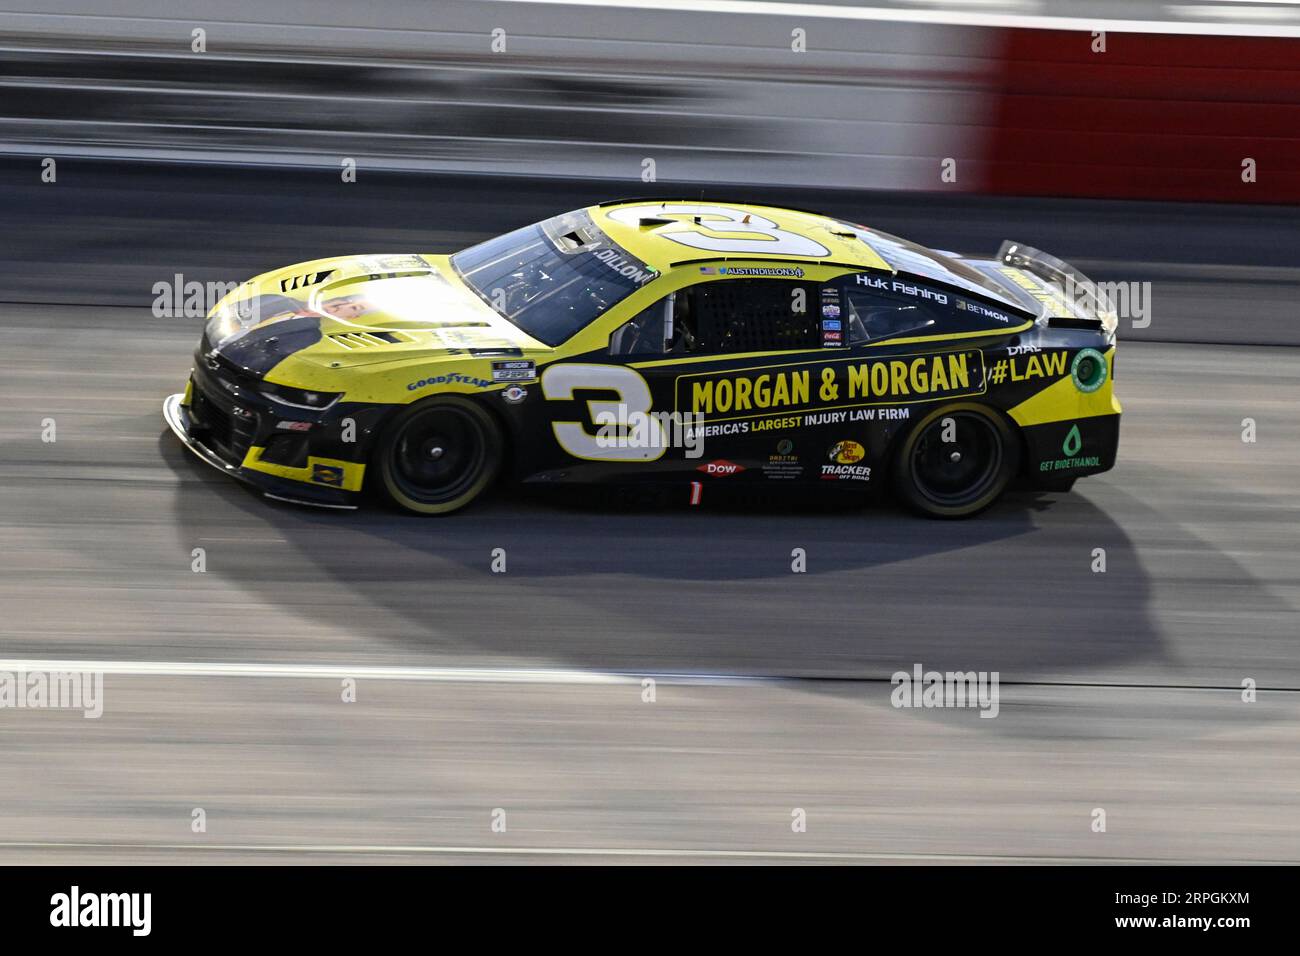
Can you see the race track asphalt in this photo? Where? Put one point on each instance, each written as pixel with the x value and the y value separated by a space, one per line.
pixel 523 691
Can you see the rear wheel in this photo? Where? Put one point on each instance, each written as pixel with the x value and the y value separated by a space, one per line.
pixel 437 456
pixel 956 461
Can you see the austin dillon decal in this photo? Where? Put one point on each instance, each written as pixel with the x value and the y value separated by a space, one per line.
pixel 785 272
pixel 625 266
pixel 773 390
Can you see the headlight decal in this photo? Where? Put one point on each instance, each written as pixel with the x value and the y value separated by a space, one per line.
pixel 299 397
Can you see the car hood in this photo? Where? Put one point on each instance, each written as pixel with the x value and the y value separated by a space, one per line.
pixel 364 310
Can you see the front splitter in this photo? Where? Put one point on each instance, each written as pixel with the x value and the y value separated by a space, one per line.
pixel 177 417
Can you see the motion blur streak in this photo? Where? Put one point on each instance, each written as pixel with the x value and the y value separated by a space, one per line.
pixel 1120 689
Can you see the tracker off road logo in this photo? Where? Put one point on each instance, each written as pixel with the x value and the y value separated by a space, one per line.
pixel 846 456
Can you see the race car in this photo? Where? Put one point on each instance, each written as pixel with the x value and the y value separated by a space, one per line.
pixel 676 342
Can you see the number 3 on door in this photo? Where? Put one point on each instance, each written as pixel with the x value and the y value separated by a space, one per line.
pixel 642 440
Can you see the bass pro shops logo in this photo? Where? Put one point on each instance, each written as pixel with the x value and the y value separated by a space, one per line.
pixel 846 456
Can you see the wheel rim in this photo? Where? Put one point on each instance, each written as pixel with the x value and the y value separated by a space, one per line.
pixel 960 472
pixel 438 455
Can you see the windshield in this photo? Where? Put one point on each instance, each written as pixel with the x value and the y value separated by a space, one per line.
pixel 552 278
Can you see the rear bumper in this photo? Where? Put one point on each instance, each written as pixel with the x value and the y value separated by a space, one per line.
pixel 180 421
pixel 1071 449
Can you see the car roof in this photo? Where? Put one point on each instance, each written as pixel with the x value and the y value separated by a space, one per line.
pixel 653 231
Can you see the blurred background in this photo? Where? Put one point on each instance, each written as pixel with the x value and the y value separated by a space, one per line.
pixel 1022 93
pixel 145 143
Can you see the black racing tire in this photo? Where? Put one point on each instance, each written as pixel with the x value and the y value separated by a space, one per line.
pixel 438 455
pixel 960 478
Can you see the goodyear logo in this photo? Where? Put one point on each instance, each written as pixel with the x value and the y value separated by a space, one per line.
pixel 897 380
pixel 452 378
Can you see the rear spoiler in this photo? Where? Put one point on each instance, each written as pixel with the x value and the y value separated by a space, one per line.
pixel 1092 302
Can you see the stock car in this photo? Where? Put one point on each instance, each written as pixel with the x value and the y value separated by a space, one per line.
pixel 659 341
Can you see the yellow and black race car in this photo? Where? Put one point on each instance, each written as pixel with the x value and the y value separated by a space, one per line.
pixel 643 340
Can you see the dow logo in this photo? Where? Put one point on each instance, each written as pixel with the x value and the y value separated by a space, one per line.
pixel 721 468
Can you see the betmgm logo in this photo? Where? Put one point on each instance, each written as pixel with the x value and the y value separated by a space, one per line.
pixel 76 909
pixel 929 689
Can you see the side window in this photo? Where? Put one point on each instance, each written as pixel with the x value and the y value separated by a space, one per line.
pixel 729 315
pixel 877 307
pixel 747 315
pixel 646 333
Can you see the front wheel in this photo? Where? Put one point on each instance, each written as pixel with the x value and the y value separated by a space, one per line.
pixel 437 456
pixel 956 461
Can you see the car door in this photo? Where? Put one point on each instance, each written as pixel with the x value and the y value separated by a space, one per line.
pixel 735 357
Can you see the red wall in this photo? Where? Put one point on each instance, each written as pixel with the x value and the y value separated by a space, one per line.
pixel 1154 117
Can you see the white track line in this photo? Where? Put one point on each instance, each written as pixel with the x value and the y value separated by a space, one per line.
pixel 1234 17
pixel 1233 22
pixel 633 852
pixel 446 675
pixel 524 675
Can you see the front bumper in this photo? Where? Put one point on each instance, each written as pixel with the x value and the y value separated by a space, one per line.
pixel 233 452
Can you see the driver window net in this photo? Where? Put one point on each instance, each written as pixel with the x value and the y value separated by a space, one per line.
pixel 756 315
